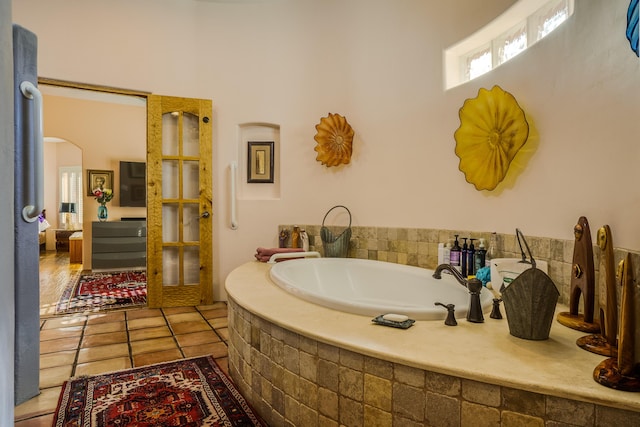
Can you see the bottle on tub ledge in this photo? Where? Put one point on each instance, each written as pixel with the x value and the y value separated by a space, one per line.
pixel 479 260
pixel 492 251
pixel 295 237
pixel 454 254
pixel 304 238
pixel 471 255
pixel 464 256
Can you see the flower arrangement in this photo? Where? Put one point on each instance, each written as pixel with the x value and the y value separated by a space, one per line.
pixel 103 195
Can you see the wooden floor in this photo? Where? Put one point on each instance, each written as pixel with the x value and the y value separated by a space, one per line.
pixel 55 275
pixel 98 342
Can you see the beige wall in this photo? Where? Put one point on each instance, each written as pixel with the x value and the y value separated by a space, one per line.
pixel 379 63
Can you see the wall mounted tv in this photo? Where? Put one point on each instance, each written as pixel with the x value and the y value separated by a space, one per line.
pixel 133 184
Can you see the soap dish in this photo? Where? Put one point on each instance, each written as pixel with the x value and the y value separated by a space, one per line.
pixel 379 320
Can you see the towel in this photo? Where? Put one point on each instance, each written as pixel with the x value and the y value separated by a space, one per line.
pixel 264 254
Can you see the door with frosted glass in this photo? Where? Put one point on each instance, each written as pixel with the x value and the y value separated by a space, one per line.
pixel 179 258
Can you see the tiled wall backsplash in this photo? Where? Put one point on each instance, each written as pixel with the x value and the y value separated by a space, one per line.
pixel 419 247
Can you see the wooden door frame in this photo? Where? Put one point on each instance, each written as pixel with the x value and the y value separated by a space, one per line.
pixel 128 92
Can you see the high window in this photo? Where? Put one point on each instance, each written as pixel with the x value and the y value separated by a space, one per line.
pixel 524 24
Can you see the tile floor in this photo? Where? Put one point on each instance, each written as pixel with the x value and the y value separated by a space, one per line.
pixel 89 344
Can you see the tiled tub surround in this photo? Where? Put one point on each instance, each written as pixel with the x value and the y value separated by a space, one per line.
pixel 300 364
pixel 419 247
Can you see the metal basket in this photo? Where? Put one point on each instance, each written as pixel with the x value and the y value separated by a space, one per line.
pixel 530 301
pixel 335 246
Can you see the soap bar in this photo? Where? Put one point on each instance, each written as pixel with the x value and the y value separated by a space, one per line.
pixel 395 317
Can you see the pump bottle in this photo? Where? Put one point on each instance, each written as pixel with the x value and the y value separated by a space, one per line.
pixel 304 238
pixel 447 253
pixel 471 253
pixel 480 258
pixel 463 258
pixel 455 254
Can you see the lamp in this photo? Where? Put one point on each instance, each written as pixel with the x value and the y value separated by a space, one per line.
pixel 67 209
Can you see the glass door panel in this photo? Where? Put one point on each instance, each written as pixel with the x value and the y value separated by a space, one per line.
pixel 170 267
pixel 191 222
pixel 170 129
pixel 190 137
pixel 170 221
pixel 190 180
pixel 170 179
pixel 191 265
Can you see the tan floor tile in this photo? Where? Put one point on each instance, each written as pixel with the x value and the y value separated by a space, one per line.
pixel 63 322
pixel 58 358
pixel 142 313
pixel 103 366
pixel 59 345
pixel 197 338
pixel 146 322
pixel 158 357
pixel 213 314
pixel 188 327
pixel 41 421
pixel 224 333
pixel 148 333
pixel 53 377
pixel 221 322
pixel 103 352
pixel 153 345
pixel 106 318
pixel 103 328
pixel 218 349
pixel 104 339
pixel 54 334
pixel 224 365
pixel 178 310
pixel 43 403
pixel 184 317
pixel 219 304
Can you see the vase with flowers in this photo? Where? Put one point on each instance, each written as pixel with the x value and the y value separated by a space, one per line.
pixel 102 196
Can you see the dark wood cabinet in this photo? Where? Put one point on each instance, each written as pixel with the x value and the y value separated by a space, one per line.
pixel 62 239
pixel 118 245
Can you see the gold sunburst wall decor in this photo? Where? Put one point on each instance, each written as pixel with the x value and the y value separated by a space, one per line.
pixel 492 129
pixel 335 139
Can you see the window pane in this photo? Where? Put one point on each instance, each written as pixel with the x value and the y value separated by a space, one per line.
pixel 478 62
pixel 549 18
pixel 512 42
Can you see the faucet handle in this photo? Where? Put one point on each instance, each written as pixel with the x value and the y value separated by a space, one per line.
pixel 451 317
pixel 474 285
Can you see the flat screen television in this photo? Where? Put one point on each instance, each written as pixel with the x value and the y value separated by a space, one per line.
pixel 133 184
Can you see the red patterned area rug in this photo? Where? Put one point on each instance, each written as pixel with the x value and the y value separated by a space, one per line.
pixel 189 392
pixel 103 291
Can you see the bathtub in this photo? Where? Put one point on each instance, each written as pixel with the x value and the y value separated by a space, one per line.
pixel 371 288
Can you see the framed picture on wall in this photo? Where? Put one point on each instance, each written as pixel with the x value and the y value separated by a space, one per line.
pixel 260 162
pixel 98 179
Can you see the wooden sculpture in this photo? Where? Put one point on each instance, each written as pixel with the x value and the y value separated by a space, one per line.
pixel 582 282
pixel 623 372
pixel 606 342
